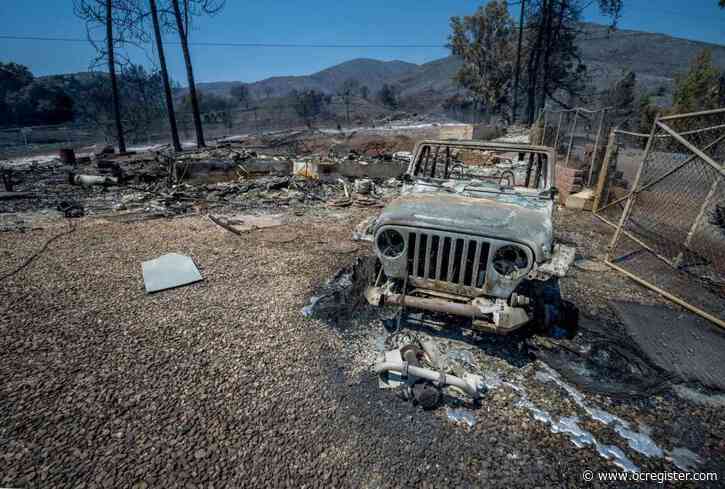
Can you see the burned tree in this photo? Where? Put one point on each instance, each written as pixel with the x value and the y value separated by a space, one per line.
pixel 143 100
pixel 182 20
pixel 140 90
pixel 165 76
pixel 112 73
pixel 346 92
pixel 553 61
pixel 620 98
pixel 241 93
pixel 388 96
pixel 308 104
pixel 109 14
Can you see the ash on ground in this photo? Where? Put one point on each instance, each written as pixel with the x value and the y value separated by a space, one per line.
pixel 589 390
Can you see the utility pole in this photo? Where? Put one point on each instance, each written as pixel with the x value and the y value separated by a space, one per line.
pixel 518 63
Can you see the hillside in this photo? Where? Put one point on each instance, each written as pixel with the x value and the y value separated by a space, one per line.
pixel 653 55
pixel 369 72
pixel 655 58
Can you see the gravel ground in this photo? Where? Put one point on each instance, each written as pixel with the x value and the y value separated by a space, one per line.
pixel 224 383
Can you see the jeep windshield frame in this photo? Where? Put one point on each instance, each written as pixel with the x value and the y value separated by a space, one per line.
pixel 524 169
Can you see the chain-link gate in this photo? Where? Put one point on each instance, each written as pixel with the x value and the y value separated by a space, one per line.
pixel 578 135
pixel 670 235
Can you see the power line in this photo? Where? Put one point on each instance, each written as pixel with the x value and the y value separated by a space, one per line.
pixel 240 44
pixel 615 33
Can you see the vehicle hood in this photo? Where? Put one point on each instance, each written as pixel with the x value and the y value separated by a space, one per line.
pixel 507 217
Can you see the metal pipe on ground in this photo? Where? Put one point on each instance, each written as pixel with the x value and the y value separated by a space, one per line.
pixel 423 373
pixel 90 180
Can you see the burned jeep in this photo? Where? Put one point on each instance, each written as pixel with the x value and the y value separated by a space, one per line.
pixel 472 235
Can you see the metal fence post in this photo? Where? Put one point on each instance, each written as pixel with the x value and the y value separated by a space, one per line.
pixel 604 170
pixel 632 194
pixel 596 147
pixel 558 128
pixel 571 138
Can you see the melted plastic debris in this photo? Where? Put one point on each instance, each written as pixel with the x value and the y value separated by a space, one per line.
pixel 538 414
pixel 459 357
pixel 550 375
pixel 685 459
pixel 570 425
pixel 492 380
pixel 639 442
pixel 461 416
pixel 618 458
pixel 601 415
pixel 380 343
pixel 309 309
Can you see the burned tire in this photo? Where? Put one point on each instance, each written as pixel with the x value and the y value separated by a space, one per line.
pixel 552 314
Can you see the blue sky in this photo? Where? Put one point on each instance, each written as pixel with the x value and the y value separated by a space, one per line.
pixel 319 21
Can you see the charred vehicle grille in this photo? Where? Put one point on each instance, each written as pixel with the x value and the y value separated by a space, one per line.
pixel 446 257
pixel 457 263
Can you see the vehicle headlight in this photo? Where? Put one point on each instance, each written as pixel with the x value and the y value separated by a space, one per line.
pixel 391 243
pixel 511 261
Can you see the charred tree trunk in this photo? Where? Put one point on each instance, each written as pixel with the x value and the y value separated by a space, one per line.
pixel 533 72
pixel 189 75
pixel 165 77
pixel 548 43
pixel 517 75
pixel 114 81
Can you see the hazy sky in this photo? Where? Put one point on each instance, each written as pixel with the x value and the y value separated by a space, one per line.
pixel 319 21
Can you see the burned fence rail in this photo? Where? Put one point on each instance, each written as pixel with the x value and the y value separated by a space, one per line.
pixel 670 235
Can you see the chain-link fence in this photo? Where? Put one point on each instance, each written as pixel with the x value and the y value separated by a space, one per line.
pixel 27 141
pixel 578 135
pixel 266 116
pixel 670 235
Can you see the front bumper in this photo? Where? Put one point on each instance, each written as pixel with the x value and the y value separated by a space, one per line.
pixel 491 315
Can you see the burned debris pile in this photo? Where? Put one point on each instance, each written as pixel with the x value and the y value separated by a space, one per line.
pixel 156 182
